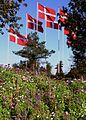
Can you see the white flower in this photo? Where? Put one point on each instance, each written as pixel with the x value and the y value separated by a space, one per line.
pixel 82 116
pixel 66 113
pixel 53 114
pixel 47 117
pixel 11 87
pixel 37 116
pixel 54 87
pixel 18 100
pixel 20 96
pixel 3 88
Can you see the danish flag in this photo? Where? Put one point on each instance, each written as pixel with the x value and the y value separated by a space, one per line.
pixel 17 37
pixel 34 24
pixel 46 13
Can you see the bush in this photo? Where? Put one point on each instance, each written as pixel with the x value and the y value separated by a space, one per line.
pixel 28 97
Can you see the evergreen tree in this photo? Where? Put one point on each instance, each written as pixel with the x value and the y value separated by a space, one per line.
pixel 34 50
pixel 8 13
pixel 59 73
pixel 48 69
pixel 61 66
pixel 77 24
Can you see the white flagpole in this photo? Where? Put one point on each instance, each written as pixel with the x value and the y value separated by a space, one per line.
pixel 63 50
pixel 37 19
pixel 26 25
pixel 8 49
pixel 26 36
pixel 37 33
pixel 58 48
pixel 45 22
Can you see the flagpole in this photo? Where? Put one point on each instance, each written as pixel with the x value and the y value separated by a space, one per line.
pixel 8 49
pixel 58 48
pixel 36 29
pixel 63 50
pixel 26 37
pixel 45 23
pixel 26 25
pixel 37 19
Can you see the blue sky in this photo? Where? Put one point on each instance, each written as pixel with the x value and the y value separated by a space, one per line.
pixel 6 47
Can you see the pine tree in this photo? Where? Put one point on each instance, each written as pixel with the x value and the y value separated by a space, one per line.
pixel 34 50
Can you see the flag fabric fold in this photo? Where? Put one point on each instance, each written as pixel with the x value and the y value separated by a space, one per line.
pixel 34 24
pixel 17 37
pixel 46 13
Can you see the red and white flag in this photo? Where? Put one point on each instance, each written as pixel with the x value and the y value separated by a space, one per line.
pixel 63 16
pixel 34 24
pixel 46 13
pixel 53 25
pixel 17 37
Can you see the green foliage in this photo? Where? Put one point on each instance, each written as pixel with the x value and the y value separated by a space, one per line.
pixel 25 96
pixel 34 51
pixel 8 14
pixel 59 71
pixel 77 24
